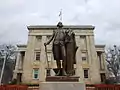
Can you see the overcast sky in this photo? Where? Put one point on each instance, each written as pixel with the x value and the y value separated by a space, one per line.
pixel 15 15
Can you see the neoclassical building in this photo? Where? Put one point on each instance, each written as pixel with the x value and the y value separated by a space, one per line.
pixel 31 64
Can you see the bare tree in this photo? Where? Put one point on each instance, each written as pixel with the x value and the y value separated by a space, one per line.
pixel 9 51
pixel 113 62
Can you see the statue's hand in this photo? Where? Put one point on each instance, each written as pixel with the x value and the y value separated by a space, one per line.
pixel 45 44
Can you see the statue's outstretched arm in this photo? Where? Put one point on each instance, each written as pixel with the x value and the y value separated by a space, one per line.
pixel 48 42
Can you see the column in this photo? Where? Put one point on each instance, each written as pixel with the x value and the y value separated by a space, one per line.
pixel 20 62
pixel 94 70
pixel 17 65
pixel 99 60
pixel 88 49
pixel 43 59
pixel 27 75
pixel 103 61
pixel 79 70
pixel 89 58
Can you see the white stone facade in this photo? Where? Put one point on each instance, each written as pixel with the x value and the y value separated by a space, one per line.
pixel 90 58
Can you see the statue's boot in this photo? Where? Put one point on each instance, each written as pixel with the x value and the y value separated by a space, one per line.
pixel 58 73
pixel 64 73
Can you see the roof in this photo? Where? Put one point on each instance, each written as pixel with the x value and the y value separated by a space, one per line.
pixel 84 27
pixel 22 45
pixel 100 46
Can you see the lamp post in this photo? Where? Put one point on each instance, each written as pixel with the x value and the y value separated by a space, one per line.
pixel 2 71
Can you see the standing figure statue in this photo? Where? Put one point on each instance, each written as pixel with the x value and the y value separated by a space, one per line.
pixel 58 48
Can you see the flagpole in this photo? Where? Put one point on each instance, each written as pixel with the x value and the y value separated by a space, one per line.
pixel 60 15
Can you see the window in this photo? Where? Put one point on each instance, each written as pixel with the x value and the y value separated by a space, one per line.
pixel 48 72
pixel 83 58
pixel 35 73
pixel 83 36
pixel 38 38
pixel 48 37
pixel 103 77
pixel 86 73
pixel 84 54
pixel 19 77
pixel 37 55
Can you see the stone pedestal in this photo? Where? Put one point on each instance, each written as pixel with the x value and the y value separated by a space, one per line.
pixel 62 79
pixel 62 86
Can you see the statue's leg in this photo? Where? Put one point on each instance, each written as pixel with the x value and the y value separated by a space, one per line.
pixel 56 50
pixel 64 68
pixel 58 66
pixel 64 60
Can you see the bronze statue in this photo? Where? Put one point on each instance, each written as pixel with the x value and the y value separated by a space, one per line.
pixel 58 48
pixel 64 48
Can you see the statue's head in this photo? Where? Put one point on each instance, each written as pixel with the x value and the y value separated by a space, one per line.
pixel 59 25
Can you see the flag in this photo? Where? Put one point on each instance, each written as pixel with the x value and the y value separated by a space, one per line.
pixel 60 13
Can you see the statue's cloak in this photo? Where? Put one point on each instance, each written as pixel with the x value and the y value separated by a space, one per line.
pixel 71 48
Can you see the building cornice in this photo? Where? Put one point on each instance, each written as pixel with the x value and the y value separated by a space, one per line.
pixel 83 27
pixel 21 45
pixel 100 46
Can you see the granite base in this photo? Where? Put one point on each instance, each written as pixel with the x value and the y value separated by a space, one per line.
pixel 61 86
